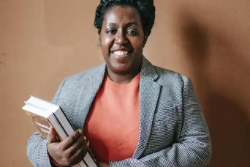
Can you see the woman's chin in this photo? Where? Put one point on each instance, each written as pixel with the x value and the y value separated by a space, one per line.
pixel 120 69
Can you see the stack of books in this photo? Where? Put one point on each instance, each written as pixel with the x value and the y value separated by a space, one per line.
pixel 45 114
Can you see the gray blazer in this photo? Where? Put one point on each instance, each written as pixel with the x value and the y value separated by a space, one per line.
pixel 173 131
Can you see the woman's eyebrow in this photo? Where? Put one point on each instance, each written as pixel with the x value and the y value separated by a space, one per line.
pixel 132 24
pixel 127 25
pixel 110 23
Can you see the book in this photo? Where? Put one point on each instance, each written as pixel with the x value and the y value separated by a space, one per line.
pixel 45 114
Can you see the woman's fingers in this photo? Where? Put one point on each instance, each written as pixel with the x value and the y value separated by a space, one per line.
pixel 80 143
pixel 52 135
pixel 78 155
pixel 71 139
pixel 69 151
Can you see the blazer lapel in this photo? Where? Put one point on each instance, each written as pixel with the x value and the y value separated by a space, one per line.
pixel 87 94
pixel 149 94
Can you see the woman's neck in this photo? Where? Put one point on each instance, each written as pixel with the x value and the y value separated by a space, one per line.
pixel 122 78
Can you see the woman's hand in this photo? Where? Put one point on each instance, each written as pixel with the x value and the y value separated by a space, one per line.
pixel 103 164
pixel 69 151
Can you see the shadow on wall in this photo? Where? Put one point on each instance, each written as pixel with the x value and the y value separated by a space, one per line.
pixel 219 73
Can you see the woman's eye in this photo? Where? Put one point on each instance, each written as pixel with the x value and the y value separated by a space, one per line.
pixel 111 31
pixel 132 32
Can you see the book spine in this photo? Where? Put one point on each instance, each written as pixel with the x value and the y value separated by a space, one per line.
pixel 60 131
pixel 59 114
pixel 89 160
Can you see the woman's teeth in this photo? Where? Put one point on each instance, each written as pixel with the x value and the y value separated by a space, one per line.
pixel 120 53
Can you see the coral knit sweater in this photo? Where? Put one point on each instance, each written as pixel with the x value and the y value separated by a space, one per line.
pixel 112 126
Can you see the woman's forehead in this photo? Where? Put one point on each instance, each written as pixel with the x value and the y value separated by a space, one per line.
pixel 122 14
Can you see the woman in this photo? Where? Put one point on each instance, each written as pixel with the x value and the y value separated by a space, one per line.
pixel 131 112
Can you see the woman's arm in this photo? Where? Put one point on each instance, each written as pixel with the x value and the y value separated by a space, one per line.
pixel 193 147
pixel 37 151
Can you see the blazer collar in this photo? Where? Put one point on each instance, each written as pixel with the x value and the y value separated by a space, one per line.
pixel 148 72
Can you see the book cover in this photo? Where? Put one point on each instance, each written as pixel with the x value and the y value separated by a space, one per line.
pixel 41 123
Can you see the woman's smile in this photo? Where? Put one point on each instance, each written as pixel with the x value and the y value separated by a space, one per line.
pixel 121 56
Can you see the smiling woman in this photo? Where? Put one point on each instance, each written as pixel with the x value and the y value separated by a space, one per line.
pixel 122 40
pixel 131 112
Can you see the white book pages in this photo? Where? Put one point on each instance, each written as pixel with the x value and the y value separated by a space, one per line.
pixel 38 111
pixel 43 103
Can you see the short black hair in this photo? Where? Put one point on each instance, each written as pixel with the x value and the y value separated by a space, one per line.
pixel 145 8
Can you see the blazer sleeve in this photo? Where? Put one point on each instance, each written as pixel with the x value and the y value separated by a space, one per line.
pixel 193 147
pixel 37 151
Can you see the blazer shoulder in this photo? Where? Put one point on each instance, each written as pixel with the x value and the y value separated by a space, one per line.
pixel 70 89
pixel 81 76
pixel 167 76
pixel 72 85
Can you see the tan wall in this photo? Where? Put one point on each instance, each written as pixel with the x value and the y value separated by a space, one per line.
pixel 43 41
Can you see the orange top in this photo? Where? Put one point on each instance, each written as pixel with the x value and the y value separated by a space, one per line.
pixel 112 126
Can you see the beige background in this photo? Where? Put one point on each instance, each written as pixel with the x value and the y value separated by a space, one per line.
pixel 43 41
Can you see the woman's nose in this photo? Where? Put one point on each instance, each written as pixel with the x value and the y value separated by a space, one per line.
pixel 121 38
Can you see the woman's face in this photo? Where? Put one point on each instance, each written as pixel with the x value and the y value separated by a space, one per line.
pixel 122 39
